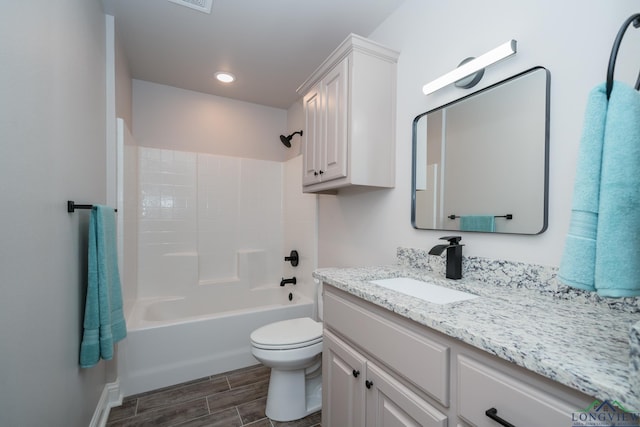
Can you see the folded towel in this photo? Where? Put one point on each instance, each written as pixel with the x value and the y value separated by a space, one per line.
pixel 617 269
pixel 104 322
pixel 477 223
pixel 577 267
pixel 602 250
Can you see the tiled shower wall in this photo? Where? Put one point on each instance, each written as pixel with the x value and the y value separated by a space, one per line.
pixel 197 211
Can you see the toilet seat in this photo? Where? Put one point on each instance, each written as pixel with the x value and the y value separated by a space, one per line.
pixel 288 334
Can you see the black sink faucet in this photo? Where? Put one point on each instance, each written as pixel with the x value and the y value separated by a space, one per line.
pixel 454 256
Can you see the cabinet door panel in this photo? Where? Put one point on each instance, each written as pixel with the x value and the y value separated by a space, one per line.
pixel 391 404
pixel 334 155
pixel 343 391
pixel 313 129
pixel 428 366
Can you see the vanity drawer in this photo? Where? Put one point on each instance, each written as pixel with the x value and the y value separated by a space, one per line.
pixel 418 359
pixel 481 387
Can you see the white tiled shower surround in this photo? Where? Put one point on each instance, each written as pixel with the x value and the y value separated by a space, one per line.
pixel 202 215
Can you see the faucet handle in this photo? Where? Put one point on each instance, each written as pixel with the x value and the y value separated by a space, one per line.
pixel 453 240
pixel 293 257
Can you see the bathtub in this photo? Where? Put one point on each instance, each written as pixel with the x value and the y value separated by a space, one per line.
pixel 172 340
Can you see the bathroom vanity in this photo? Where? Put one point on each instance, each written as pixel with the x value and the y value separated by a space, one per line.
pixel 349 114
pixel 526 350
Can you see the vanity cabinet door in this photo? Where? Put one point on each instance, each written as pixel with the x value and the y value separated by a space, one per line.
pixel 391 404
pixel 357 393
pixel 312 134
pixel 334 142
pixel 343 388
pixel 326 139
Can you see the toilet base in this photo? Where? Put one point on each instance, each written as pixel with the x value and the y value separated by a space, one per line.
pixel 289 404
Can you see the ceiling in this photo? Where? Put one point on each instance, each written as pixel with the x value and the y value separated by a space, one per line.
pixel 270 46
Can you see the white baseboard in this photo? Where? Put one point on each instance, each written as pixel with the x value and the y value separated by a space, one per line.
pixel 110 397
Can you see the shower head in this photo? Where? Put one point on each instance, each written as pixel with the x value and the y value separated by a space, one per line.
pixel 286 140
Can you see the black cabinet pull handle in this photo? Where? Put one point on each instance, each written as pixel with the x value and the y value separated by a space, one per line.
pixel 321 172
pixel 493 414
pixel 315 173
pixel 368 383
pixel 356 373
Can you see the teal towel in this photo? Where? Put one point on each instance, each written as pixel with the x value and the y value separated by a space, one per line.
pixel 618 243
pixel 478 223
pixel 602 250
pixel 104 323
pixel 577 267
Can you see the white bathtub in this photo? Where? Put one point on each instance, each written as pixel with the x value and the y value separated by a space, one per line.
pixel 172 340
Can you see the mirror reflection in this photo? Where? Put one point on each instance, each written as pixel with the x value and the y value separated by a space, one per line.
pixel 481 163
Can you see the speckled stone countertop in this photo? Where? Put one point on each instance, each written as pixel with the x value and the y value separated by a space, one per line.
pixel 586 342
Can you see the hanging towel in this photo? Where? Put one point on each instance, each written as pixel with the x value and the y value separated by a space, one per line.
pixel 104 323
pixel 477 223
pixel 577 268
pixel 618 244
pixel 602 250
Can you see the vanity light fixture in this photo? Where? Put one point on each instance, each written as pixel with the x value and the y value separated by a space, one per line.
pixel 470 67
pixel 225 77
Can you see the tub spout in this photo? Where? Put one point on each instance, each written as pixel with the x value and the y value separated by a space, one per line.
pixel 285 281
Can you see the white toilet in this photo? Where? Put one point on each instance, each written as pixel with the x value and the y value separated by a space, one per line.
pixel 293 350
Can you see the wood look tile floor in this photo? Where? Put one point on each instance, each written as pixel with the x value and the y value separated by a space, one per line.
pixel 232 399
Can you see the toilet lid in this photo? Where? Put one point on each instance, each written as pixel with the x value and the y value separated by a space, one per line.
pixel 290 333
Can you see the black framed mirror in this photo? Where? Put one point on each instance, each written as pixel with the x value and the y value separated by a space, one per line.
pixel 481 163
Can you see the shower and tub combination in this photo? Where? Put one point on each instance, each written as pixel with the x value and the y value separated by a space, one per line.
pixel 175 340
pixel 202 260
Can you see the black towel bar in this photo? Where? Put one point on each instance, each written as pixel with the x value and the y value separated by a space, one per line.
pixel 71 206
pixel 635 19
pixel 507 216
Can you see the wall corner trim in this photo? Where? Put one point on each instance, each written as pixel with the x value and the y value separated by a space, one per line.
pixel 111 396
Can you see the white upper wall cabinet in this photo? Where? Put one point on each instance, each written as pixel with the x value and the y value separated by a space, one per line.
pixel 349 109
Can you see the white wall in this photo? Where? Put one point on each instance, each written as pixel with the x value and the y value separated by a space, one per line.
pixel 572 39
pixel 172 118
pixel 299 226
pixel 123 84
pixel 52 128
pixel 295 122
pixel 300 210
pixel 177 119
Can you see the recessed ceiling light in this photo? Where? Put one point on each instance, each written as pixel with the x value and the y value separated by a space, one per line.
pixel 225 77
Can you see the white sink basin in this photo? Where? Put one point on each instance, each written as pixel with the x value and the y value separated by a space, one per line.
pixel 425 291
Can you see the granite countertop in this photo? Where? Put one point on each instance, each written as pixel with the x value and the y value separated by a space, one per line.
pixel 591 346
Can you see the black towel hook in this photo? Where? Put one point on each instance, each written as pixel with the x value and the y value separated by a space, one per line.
pixel 614 52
